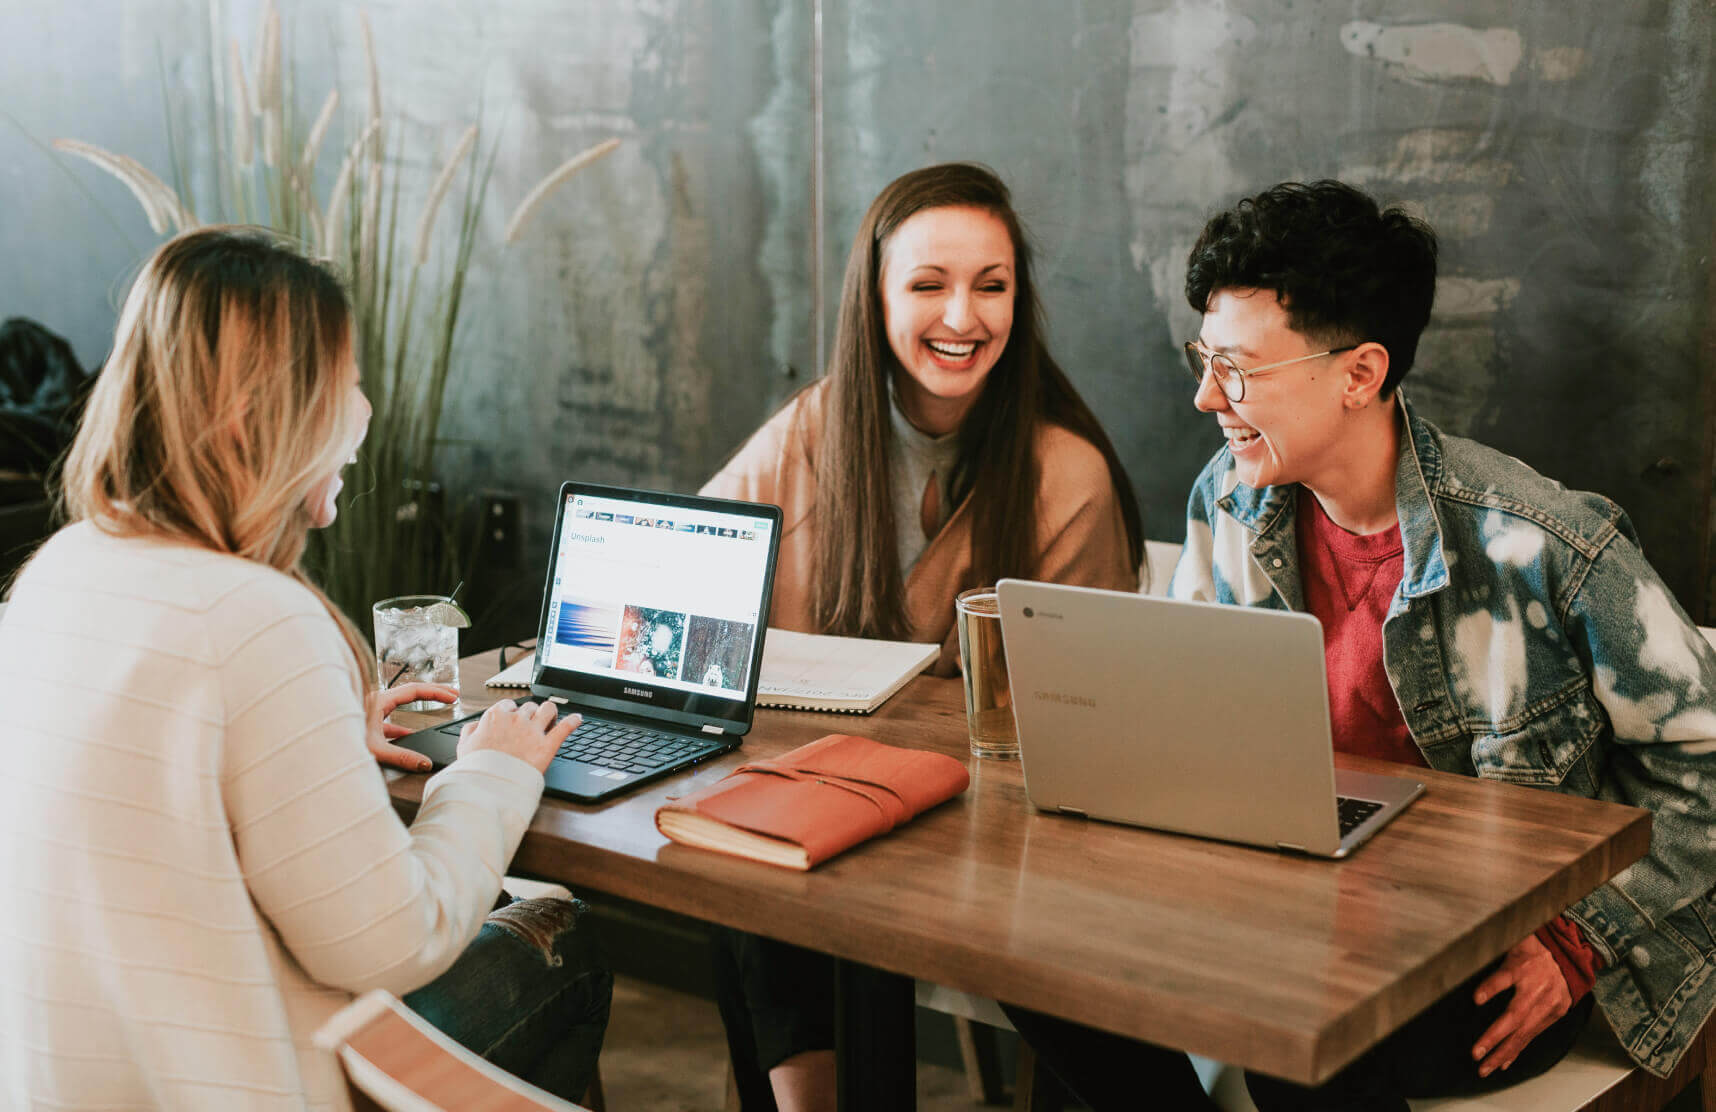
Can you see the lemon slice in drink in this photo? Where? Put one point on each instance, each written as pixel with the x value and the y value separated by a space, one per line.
pixel 449 614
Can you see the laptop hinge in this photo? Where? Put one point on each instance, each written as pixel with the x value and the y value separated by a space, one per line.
pixel 1289 847
pixel 561 699
pixel 714 729
pixel 1065 810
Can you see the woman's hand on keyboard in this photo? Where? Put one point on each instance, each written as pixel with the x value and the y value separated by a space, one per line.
pixel 529 733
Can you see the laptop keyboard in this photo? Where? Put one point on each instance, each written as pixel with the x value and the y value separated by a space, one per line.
pixel 611 746
pixel 1353 812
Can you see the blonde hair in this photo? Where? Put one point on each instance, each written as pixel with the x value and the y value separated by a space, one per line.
pixel 224 404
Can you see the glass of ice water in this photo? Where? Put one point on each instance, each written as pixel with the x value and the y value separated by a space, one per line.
pixel 415 643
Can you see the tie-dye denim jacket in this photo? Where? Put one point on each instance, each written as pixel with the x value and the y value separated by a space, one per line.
pixel 1568 666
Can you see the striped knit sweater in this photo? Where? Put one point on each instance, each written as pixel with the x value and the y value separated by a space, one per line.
pixel 198 859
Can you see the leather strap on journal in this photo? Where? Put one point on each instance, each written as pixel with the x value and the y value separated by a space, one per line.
pixel 829 795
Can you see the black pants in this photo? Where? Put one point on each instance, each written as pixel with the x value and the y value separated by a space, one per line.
pixel 1429 1057
pixel 776 1000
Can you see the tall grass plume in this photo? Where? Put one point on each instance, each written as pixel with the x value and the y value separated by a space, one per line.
pixel 406 294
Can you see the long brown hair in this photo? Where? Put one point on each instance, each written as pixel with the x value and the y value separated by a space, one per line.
pixel 225 402
pixel 860 586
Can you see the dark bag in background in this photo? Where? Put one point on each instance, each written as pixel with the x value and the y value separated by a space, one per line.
pixel 42 390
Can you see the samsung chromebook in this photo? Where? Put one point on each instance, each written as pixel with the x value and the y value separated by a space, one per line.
pixel 1184 716
pixel 652 629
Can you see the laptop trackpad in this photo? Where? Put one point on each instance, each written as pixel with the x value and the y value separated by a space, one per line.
pixel 439 743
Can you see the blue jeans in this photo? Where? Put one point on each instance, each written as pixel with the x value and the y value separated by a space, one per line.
pixel 530 994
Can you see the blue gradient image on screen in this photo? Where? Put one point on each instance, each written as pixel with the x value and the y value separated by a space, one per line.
pixel 589 627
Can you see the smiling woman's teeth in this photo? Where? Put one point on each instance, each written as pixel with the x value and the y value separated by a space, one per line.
pixel 1241 436
pixel 952 351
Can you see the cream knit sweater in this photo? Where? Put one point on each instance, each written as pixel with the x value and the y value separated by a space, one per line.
pixel 198 859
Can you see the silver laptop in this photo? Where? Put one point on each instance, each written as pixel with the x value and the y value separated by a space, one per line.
pixel 1184 716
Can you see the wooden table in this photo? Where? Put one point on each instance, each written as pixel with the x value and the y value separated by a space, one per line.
pixel 1291 966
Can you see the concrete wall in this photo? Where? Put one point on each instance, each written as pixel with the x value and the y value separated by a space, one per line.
pixel 665 303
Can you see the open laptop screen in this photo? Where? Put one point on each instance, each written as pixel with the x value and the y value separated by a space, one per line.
pixel 658 600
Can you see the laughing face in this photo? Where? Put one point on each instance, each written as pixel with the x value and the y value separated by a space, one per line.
pixel 323 498
pixel 947 300
pixel 1290 425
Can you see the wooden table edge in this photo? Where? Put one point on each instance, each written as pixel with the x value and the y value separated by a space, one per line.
pixel 688 890
pixel 685 890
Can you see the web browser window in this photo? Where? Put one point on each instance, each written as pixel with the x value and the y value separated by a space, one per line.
pixel 656 595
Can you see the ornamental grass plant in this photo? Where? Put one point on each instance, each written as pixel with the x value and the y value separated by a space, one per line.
pixel 256 162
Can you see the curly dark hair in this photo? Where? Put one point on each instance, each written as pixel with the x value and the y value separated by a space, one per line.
pixel 1345 270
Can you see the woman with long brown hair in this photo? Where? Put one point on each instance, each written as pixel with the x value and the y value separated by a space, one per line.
pixel 943 449
pixel 939 372
pixel 202 863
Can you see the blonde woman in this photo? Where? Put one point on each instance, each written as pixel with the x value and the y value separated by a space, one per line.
pixel 202 863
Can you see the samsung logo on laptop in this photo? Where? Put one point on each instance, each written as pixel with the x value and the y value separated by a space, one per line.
pixel 1065 699
pixel 640 692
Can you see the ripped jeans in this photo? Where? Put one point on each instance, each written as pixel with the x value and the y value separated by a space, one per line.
pixel 530 994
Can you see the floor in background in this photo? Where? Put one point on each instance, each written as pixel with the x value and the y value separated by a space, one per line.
pixel 665 1053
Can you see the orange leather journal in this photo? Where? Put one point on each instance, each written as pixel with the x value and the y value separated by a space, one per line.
pixel 803 807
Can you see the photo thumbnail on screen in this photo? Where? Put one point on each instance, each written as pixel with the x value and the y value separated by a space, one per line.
pixel 717 652
pixel 651 642
pixel 589 631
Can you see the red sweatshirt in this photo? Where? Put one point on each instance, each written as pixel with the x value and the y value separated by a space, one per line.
pixel 1349 582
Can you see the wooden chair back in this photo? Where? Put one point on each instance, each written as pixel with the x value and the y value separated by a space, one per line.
pixel 398 1062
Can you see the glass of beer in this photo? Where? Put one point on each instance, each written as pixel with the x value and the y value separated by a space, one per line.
pixel 988 699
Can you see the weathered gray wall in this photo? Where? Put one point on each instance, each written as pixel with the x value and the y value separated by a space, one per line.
pixel 1563 148
pixel 69 241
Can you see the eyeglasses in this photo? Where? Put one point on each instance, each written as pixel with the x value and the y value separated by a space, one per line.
pixel 1228 376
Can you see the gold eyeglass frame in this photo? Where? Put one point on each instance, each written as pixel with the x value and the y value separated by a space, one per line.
pixel 1229 376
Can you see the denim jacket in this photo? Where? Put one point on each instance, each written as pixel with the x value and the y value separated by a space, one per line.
pixel 1529 641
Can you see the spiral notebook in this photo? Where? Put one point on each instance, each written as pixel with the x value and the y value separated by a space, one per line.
pixel 812 671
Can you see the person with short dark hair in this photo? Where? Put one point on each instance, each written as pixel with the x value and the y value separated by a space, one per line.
pixel 1478 618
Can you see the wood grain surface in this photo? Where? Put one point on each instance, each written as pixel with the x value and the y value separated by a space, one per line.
pixel 1289 965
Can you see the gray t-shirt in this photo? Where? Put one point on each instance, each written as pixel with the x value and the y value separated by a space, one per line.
pixel 915 455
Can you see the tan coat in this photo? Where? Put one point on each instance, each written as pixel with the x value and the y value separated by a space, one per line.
pixel 1081 534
